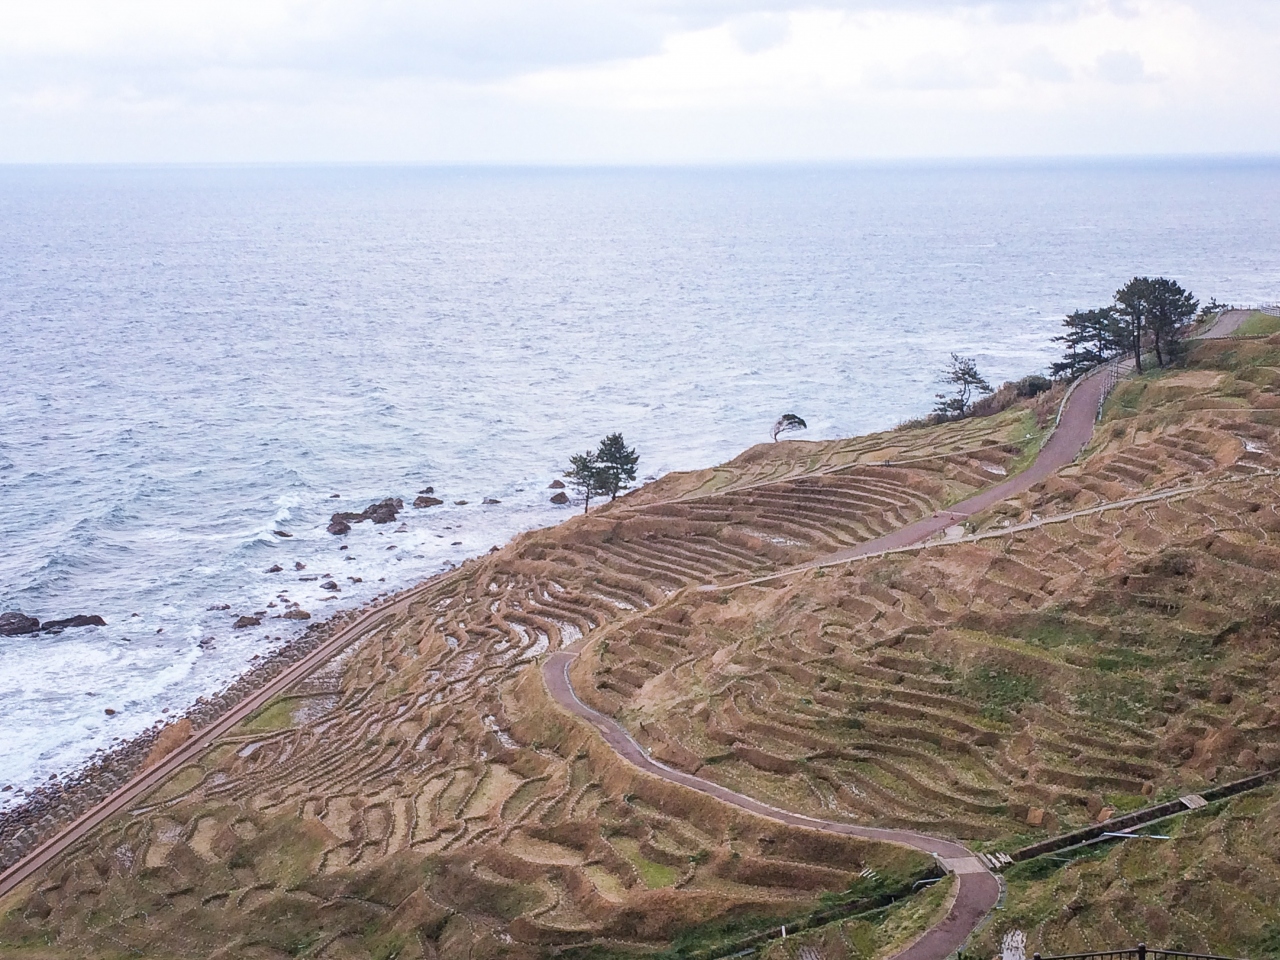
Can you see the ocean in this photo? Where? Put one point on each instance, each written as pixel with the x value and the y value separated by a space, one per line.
pixel 198 357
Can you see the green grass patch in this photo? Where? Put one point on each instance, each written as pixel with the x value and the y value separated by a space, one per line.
pixel 998 690
pixel 1259 324
pixel 653 874
pixel 276 715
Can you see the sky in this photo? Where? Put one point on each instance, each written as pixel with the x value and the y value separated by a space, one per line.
pixel 634 81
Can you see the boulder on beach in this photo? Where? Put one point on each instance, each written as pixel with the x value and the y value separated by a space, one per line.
pixel 15 623
pixel 425 501
pixel 57 626
pixel 382 512
pixel 246 621
pixel 560 498
pixel 556 485
pixel 296 614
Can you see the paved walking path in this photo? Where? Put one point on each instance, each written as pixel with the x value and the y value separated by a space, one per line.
pixel 977 889
pixel 1069 437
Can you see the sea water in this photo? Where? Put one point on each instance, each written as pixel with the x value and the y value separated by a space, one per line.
pixel 195 358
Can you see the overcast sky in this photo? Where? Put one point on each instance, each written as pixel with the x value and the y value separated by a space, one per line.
pixel 633 81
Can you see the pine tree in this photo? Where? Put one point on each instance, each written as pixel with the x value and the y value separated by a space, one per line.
pixel 617 464
pixel 1131 316
pixel 587 477
pixel 1091 337
pixel 963 373
pixel 1169 308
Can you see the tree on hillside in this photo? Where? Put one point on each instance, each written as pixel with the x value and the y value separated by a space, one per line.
pixel 788 423
pixel 1156 308
pixel 1169 309
pixel 962 373
pixel 617 464
pixel 1091 337
pixel 587 477
pixel 1131 317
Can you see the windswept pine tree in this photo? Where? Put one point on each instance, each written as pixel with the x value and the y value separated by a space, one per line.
pixel 963 374
pixel 1091 337
pixel 788 423
pixel 617 464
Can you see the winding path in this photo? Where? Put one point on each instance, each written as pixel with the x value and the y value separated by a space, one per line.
pixel 977 889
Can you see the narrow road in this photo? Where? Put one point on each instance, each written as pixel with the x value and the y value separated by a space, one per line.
pixel 977 889
pixel 1227 323
pixel 1069 437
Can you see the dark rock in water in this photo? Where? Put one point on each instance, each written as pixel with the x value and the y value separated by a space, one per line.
pixel 299 565
pixel 282 533
pixel 328 585
pixel 427 502
pixel 491 500
pixel 335 496
pixel 224 606
pixel 57 626
pixel 274 568
pixel 556 485
pixel 15 623
pixel 560 498
pixel 459 503
pixel 456 543
pixel 427 490
pixel 109 712
pixel 383 512
pixel 247 622
pixel 356 579
pixel 296 614
pixel 493 549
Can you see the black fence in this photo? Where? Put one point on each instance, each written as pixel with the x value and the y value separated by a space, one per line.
pixel 1140 952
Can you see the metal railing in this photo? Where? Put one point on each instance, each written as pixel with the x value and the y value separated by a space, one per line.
pixel 1140 952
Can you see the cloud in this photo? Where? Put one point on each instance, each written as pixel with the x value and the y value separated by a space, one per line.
pixel 630 80
pixel 1121 66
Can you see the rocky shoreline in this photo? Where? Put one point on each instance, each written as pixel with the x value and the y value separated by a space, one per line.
pixel 52 806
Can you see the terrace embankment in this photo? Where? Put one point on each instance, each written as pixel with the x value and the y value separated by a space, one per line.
pixel 421 795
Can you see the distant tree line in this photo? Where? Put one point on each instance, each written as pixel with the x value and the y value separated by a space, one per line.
pixel 1146 314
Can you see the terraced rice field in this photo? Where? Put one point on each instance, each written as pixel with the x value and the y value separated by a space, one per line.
pixel 1000 688
pixel 421 796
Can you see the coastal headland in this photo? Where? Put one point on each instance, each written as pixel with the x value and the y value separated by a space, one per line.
pixel 787 704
